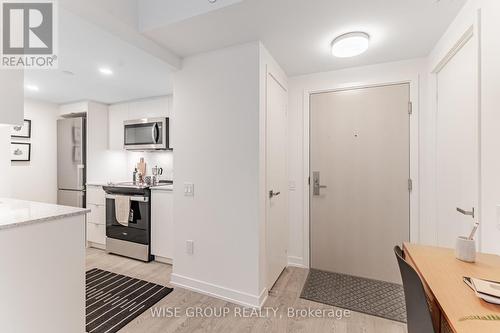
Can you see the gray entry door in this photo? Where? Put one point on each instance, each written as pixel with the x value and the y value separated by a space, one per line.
pixel 359 196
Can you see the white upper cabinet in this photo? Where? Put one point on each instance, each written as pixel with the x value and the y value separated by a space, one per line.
pixel 144 108
pixel 73 109
pixel 118 113
pixel 149 108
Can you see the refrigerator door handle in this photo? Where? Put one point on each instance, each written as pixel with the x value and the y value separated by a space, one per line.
pixel 79 172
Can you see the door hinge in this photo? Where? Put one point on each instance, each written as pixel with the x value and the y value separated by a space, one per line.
pixel 309 181
pixel 410 185
pixel 410 108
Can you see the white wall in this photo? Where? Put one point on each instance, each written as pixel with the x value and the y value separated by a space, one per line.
pixel 37 180
pixel 216 112
pixel 490 115
pixel 11 96
pixel 5 179
pixel 409 71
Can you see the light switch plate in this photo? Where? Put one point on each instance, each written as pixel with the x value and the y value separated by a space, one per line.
pixel 190 247
pixel 188 189
pixel 498 216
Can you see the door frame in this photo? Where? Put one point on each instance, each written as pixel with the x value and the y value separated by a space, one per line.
pixel 272 73
pixel 414 83
pixel 470 30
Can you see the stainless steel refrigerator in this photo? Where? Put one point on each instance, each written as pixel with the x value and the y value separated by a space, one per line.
pixel 71 161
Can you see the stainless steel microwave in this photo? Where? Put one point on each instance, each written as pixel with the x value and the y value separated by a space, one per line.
pixel 146 134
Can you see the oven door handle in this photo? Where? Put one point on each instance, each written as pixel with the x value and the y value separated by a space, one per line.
pixel 140 199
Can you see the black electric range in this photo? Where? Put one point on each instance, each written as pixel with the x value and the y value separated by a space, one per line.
pixel 131 239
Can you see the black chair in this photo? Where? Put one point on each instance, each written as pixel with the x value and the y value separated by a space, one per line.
pixel 418 314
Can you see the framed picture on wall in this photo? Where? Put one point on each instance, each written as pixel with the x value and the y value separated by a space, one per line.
pixel 20 152
pixel 22 131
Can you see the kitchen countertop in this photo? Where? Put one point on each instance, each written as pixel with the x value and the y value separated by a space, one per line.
pixel 15 213
pixel 166 188
pixel 101 182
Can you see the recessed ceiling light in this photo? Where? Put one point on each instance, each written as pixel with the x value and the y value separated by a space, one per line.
pixel 68 72
pixel 350 44
pixel 31 87
pixel 105 71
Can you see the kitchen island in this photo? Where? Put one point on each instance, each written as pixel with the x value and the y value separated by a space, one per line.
pixel 42 267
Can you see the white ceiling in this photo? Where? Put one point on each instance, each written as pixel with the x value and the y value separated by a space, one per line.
pixel 83 48
pixel 155 13
pixel 298 32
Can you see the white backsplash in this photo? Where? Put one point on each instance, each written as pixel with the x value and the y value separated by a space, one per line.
pixel 161 159
pixel 121 165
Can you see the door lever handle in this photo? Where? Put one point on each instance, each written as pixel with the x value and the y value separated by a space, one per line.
pixel 468 213
pixel 273 194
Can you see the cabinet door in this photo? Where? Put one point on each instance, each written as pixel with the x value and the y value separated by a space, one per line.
pixel 96 233
pixel 97 214
pixel 73 108
pixel 95 195
pixel 149 108
pixel 162 224
pixel 118 113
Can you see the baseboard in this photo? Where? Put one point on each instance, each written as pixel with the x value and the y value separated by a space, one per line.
pixel 233 296
pixel 263 297
pixel 96 245
pixel 296 262
pixel 164 260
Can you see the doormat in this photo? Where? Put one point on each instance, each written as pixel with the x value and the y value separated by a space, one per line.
pixel 373 297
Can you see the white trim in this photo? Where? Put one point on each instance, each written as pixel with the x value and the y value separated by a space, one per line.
pixel 480 125
pixel 454 50
pixel 474 30
pixel 296 262
pixel 264 294
pixel 164 260
pixel 414 83
pixel 269 74
pixel 230 295
pixel 96 245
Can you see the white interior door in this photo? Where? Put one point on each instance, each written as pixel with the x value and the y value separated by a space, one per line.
pixel 457 145
pixel 359 195
pixel 277 180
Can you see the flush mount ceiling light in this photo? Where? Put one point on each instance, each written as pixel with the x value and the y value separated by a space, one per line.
pixel 105 71
pixel 350 44
pixel 31 87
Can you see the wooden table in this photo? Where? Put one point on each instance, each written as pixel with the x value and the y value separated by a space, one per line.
pixel 451 299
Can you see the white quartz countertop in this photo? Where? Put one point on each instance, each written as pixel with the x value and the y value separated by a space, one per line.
pixel 168 188
pixel 15 213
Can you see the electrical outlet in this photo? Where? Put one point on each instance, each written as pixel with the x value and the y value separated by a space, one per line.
pixel 190 247
pixel 188 189
pixel 498 216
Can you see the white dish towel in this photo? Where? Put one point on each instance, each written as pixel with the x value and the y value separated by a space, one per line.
pixel 122 209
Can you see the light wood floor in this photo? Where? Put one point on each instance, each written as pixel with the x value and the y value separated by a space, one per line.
pixel 288 290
